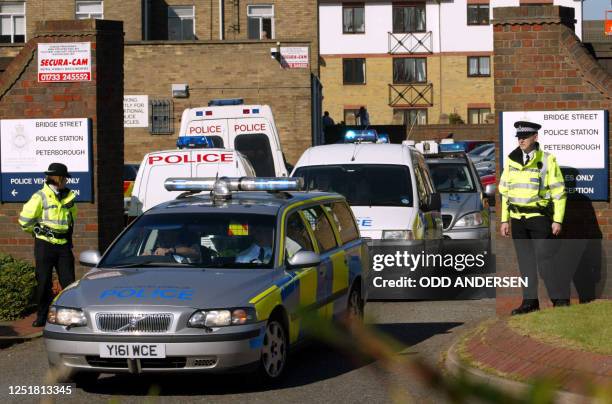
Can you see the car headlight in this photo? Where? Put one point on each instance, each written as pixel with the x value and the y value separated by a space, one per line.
pixel 66 316
pixel 470 220
pixel 397 235
pixel 221 318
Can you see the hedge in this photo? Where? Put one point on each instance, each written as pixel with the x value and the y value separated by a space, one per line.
pixel 17 285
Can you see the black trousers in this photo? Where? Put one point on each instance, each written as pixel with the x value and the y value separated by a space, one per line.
pixel 535 249
pixel 49 256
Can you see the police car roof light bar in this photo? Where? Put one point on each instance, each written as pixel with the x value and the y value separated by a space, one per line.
pixel 194 142
pixel 224 185
pixel 222 102
pixel 361 136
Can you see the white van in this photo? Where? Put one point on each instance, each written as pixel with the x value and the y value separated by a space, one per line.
pixel 388 187
pixel 158 166
pixel 249 129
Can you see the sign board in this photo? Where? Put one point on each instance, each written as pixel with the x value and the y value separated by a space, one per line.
pixel 28 146
pixel 579 141
pixel 64 62
pixel 295 57
pixel 135 111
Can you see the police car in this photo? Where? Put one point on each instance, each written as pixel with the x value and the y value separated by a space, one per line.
pixel 465 207
pixel 388 186
pixel 211 282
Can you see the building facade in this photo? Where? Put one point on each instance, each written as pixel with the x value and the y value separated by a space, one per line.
pixel 214 48
pixel 417 62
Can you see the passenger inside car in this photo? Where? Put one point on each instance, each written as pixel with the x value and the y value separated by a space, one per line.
pixel 260 250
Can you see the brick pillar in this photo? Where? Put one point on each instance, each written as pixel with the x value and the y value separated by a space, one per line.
pixel 101 100
pixel 540 64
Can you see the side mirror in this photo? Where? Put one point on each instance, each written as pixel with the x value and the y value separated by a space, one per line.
pixel 303 259
pixel 89 258
pixel 434 203
pixel 490 190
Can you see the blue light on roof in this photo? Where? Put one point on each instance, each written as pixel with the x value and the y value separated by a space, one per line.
pixel 255 110
pixel 199 113
pixel 194 142
pixel 383 138
pixel 453 147
pixel 225 101
pixel 355 136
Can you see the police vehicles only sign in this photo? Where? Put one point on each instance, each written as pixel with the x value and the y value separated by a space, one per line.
pixel 28 146
pixel 579 141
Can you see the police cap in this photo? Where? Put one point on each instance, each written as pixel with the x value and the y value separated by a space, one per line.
pixel 526 129
pixel 58 169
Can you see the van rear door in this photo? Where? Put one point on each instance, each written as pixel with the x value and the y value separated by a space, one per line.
pixel 255 138
pixel 158 167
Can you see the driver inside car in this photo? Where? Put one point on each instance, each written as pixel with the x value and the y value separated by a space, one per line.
pixel 260 250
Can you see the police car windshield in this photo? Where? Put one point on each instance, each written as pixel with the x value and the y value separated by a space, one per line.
pixel 452 177
pixel 202 240
pixel 362 184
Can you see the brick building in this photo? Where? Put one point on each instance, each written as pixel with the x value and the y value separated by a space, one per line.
pixel 412 62
pixel 219 49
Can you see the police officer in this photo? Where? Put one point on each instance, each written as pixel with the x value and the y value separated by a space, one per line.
pixel 533 199
pixel 49 216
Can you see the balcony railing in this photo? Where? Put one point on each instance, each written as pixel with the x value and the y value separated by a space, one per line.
pixel 411 42
pixel 411 95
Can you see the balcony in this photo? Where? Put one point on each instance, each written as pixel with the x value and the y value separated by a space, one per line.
pixel 411 95
pixel 410 42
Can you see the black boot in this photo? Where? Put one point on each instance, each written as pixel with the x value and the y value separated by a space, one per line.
pixel 560 302
pixel 527 306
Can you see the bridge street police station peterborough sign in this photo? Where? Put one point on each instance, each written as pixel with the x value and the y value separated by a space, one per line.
pixel 579 141
pixel 28 146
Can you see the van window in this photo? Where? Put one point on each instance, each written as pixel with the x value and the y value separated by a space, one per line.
pixel 217 141
pixel 256 147
pixel 362 184
pixel 321 228
pixel 344 220
pixel 297 238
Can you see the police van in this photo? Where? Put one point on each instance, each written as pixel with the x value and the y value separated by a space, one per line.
pixel 388 186
pixel 248 129
pixel 158 166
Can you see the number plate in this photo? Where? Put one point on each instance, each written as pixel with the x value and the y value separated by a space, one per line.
pixel 132 350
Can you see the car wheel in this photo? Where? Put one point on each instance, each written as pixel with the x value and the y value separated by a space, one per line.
pixel 274 351
pixel 354 310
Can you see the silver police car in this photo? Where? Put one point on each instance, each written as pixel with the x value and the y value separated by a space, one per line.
pixel 211 282
pixel 465 207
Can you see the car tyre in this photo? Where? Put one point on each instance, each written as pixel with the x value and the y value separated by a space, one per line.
pixel 274 352
pixel 354 309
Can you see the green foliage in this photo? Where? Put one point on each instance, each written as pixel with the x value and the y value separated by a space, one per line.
pixel 455 119
pixel 17 284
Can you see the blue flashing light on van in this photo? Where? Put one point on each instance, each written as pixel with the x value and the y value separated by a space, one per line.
pixel 194 142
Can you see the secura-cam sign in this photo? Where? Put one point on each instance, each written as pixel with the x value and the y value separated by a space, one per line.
pixel 28 146
pixel 64 62
pixel 579 141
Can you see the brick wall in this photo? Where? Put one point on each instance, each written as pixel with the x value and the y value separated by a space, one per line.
pixel 541 65
pixel 22 97
pixel 460 132
pixel 218 70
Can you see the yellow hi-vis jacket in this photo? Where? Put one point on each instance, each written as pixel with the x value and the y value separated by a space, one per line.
pixel 532 186
pixel 47 211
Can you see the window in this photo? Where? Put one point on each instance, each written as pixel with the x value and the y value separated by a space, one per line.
pixel 409 18
pixel 297 238
pixel 12 22
pixel 344 220
pixel 161 117
pixel 89 9
pixel 350 116
pixel 478 14
pixel 479 66
pixel 452 177
pixel 410 117
pixel 321 228
pixel 256 147
pixel 361 184
pixel 181 23
pixel 353 71
pixel 478 115
pixel 353 19
pixel 409 70
pixel 260 21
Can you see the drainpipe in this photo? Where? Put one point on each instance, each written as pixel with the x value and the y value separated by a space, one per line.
pixel 440 51
pixel 221 20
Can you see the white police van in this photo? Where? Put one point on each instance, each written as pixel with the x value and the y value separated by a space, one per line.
pixel 158 166
pixel 388 186
pixel 249 129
